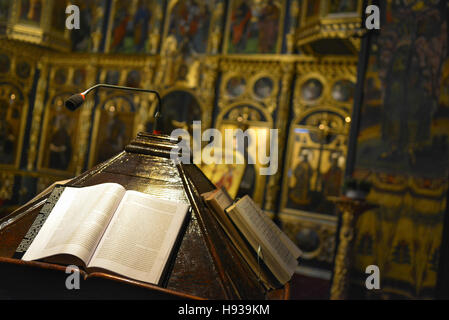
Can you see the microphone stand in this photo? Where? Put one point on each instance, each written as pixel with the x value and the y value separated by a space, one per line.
pixel 75 101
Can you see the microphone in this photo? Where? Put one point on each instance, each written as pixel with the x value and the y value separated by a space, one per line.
pixel 75 101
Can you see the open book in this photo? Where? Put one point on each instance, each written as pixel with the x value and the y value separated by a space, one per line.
pixel 107 228
pixel 268 243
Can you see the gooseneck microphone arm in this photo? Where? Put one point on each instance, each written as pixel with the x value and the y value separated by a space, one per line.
pixel 75 101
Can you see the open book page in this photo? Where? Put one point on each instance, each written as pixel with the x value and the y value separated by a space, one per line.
pixel 294 250
pixel 140 237
pixel 218 200
pixel 77 222
pixel 269 241
pixel 223 199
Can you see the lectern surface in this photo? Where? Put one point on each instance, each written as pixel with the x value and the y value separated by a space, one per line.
pixel 206 266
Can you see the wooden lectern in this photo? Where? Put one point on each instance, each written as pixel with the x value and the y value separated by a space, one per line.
pixel 206 266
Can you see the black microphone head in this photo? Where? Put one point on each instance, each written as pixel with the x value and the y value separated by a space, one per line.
pixel 74 102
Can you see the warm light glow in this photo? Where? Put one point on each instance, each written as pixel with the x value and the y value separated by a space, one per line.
pixel 348 119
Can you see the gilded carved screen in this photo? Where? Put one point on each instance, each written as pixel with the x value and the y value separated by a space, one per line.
pixel 12 112
pixel 173 46
pixel 316 153
pixel 315 162
pixel 16 75
pixel 60 132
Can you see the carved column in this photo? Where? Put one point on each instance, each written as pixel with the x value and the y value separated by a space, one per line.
pixel 207 88
pixel 350 210
pixel 37 114
pixel 147 101
pixel 216 35
pixel 293 16
pixel 85 120
pixel 274 183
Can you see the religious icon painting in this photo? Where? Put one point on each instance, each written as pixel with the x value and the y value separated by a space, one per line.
pixel 314 172
pixel 92 15
pixel 311 90
pixel 11 116
pixel 241 177
pixel 131 25
pixel 30 11
pixel 301 178
pixel 254 26
pixel 235 86
pixel 113 129
pixel 189 24
pixel 228 176
pixel 59 136
pixel 263 87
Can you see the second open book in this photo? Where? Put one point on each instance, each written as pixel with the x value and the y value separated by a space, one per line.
pixel 251 226
pixel 105 227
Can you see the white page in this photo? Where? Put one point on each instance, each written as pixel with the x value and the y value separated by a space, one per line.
pixel 223 199
pixel 140 237
pixel 77 222
pixel 267 235
pixel 294 250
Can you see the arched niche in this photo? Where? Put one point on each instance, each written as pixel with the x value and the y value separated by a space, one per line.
pixel 241 179
pixel 13 112
pixel 315 161
pixel 113 128
pixel 59 136
pixel 179 109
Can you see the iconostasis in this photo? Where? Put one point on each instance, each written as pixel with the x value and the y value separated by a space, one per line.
pixel 316 155
pixel 229 64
